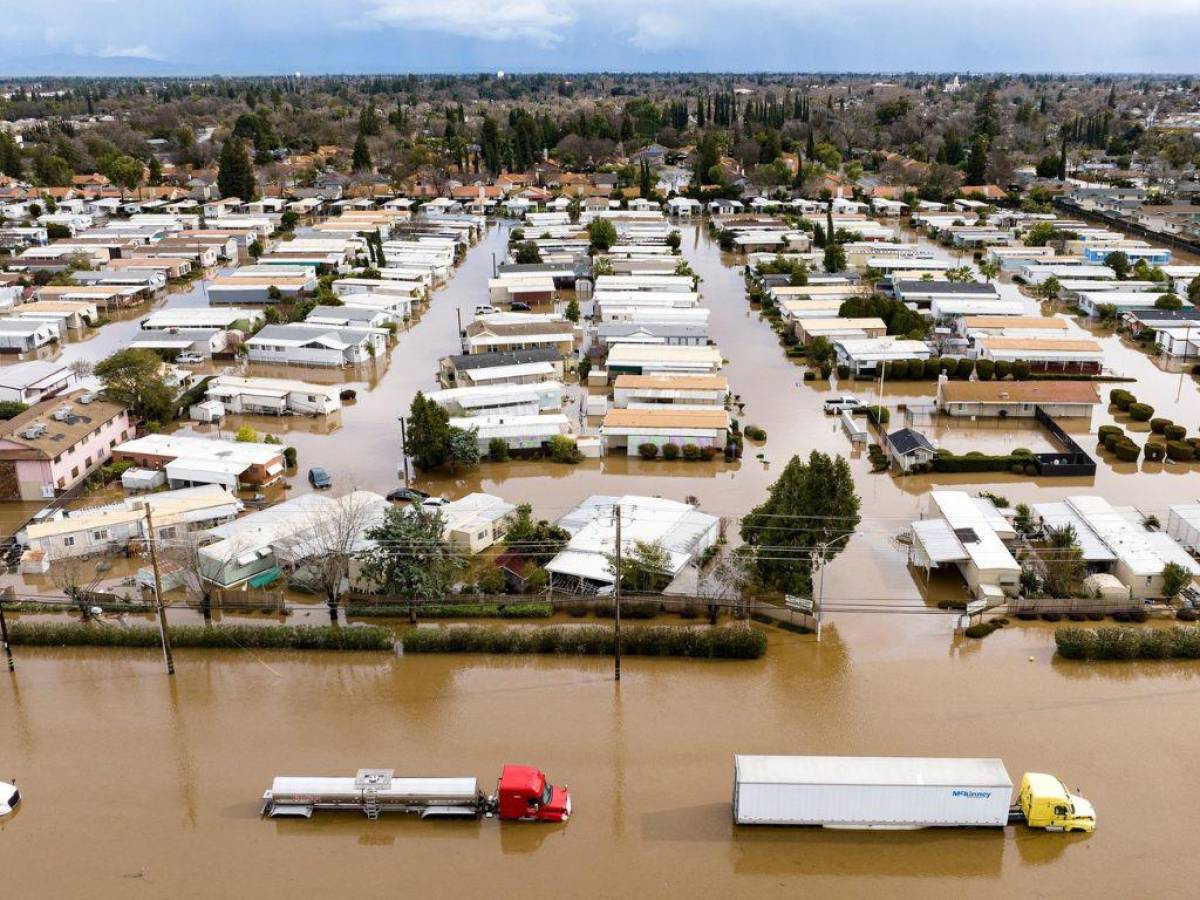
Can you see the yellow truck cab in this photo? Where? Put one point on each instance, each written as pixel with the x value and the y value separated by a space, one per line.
pixel 1046 803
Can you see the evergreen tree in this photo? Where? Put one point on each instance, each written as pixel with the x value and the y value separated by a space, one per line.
pixel 235 174
pixel 811 507
pixel 976 169
pixel 1062 160
pixel 10 156
pixel 360 160
pixel 428 433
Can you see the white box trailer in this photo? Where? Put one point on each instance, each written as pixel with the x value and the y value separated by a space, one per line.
pixel 870 792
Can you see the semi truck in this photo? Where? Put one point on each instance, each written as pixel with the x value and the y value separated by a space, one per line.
pixel 523 794
pixel 898 793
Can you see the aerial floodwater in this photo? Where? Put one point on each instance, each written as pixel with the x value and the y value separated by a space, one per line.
pixel 152 785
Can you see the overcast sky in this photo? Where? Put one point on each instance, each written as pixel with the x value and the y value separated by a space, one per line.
pixel 315 36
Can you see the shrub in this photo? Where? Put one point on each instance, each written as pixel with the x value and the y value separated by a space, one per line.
pixel 722 642
pixel 706 453
pixel 899 368
pixel 932 367
pixel 1179 451
pixel 1174 432
pixel 222 637
pixel 755 433
pixel 1119 396
pixel 1111 441
pixel 692 452
pixel 1154 451
pixel 564 450
pixel 843 371
pixel 826 370
pixel 1105 430
pixel 980 629
pixel 630 609
pixel 497 450
pixel 1127 451
pixel 527 611
pixel 1187 614
pixel 289 457
pixel 1020 370
pixel 964 368
pixel 1141 412
pixel 427 611
pixel 1128 643
pixel 1003 368
pixel 670 451
pixel 490 581
pixel 810 375
pixel 648 450
pixel 1159 425
pixel 984 369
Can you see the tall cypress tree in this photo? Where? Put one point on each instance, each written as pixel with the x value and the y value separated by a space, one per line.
pixel 235 173
pixel 360 160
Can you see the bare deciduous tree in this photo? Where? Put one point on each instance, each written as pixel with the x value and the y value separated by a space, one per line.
pixel 332 538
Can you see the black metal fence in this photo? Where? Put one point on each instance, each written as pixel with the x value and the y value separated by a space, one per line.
pixel 1073 461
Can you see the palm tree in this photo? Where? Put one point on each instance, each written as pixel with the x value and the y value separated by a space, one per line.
pixel 989 270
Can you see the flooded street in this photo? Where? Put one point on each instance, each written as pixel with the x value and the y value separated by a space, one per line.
pixel 109 752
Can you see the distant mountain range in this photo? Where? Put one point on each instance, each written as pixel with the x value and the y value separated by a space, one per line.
pixel 67 65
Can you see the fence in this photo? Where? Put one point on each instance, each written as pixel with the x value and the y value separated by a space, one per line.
pixel 1075 461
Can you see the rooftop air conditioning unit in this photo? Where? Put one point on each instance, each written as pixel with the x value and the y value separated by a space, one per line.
pixel 61 414
pixel 87 398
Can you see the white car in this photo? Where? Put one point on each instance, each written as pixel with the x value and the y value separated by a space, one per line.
pixel 434 502
pixel 188 358
pixel 845 403
pixel 486 310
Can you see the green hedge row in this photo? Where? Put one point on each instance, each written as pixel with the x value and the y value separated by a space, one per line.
pixel 722 642
pixel 457 611
pixel 980 462
pixel 260 637
pixel 1128 643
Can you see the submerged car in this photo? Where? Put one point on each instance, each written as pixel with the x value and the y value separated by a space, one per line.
pixel 319 478
pixel 407 495
pixel 10 798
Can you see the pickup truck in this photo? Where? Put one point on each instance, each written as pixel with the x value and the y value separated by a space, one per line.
pixel 846 403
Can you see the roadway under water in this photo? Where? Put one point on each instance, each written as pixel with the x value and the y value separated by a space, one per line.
pixel 139 785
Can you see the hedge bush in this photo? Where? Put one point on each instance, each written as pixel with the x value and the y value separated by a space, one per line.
pixel 1128 643
pixel 964 368
pixel 1121 398
pixel 721 642
pixel 630 609
pixel 944 461
pixel 1159 425
pixel 670 451
pixel 527 611
pixel 426 611
pixel 648 450
pixel 1003 368
pixel 1127 451
pixel 932 367
pixel 1111 441
pixel 1179 451
pixel 1020 370
pixel 1105 430
pixel 899 368
pixel 1141 412
pixel 692 452
pixel 843 371
pixel 217 637
pixel 1175 432
pixel 755 433
pixel 1155 451
pixel 984 368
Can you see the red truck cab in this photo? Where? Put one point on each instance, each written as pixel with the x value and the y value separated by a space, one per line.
pixel 525 795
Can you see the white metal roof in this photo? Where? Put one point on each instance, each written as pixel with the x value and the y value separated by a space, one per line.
pixel 1143 552
pixel 1059 515
pixel 936 539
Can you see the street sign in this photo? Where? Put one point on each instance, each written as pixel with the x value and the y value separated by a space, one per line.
pixel 798 604
pixel 975 607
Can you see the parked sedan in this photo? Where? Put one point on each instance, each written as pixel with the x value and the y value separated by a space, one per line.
pixel 319 478
pixel 407 495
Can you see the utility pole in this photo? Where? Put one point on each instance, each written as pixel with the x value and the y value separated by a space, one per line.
pixel 820 593
pixel 158 601
pixel 617 602
pixel 4 636
pixel 404 448
pixel 462 342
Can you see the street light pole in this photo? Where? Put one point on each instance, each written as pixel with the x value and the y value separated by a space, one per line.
pixel 404 448
pixel 617 602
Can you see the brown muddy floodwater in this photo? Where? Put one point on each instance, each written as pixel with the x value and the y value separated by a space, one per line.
pixel 137 785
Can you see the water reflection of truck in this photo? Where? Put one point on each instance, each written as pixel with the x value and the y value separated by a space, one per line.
pixel 522 794
pixel 899 793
